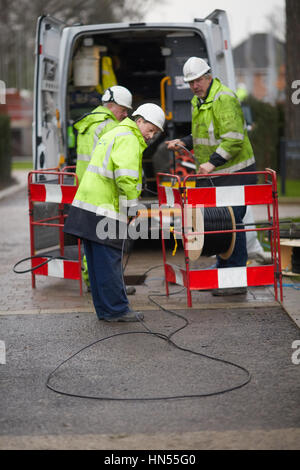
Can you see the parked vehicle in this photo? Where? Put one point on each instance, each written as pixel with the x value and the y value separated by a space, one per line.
pixel 75 63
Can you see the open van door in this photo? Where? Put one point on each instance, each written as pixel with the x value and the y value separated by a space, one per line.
pixel 219 47
pixel 47 136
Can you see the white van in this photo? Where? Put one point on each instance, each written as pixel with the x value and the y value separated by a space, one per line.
pixel 147 58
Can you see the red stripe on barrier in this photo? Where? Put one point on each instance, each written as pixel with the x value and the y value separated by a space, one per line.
pixel 206 279
pixel 72 270
pixel 43 270
pixel 170 274
pixel 177 196
pixel 260 275
pixel 68 193
pixel 201 196
pixel 37 192
pixel 258 194
pixel 162 195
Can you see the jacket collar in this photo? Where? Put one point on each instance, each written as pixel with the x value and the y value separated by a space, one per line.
pixel 127 122
pixel 90 118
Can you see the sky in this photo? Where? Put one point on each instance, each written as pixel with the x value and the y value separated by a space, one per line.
pixel 245 16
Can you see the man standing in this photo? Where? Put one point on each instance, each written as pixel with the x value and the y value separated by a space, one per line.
pixel 116 102
pixel 221 145
pixel 98 215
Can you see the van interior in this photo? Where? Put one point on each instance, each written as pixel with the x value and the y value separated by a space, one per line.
pixel 138 59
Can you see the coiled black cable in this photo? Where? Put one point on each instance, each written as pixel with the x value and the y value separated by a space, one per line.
pixel 49 258
pixel 217 218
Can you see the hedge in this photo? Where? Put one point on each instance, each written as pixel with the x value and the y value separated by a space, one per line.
pixel 268 127
pixel 5 149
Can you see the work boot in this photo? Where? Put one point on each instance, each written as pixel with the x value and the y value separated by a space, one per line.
pixel 130 290
pixel 229 291
pixel 129 317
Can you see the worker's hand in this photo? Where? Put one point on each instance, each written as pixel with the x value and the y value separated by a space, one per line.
pixel 174 144
pixel 206 168
pixel 131 221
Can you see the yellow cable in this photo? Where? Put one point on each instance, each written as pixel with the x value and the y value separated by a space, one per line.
pixel 175 240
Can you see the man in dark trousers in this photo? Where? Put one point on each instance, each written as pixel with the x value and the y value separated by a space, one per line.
pixel 221 145
pixel 111 184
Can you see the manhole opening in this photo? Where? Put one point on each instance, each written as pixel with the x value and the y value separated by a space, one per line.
pixel 134 280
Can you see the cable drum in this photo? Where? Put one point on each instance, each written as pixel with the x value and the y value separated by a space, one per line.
pixel 210 219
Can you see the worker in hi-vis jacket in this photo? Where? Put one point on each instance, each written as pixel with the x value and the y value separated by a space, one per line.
pixel 221 145
pixel 110 187
pixel 116 103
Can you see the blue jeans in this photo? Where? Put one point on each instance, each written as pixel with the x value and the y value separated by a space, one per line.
pixel 239 255
pixel 106 279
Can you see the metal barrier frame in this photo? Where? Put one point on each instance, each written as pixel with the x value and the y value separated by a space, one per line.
pixel 207 279
pixel 61 194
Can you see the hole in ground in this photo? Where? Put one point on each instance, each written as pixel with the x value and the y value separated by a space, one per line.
pixel 134 279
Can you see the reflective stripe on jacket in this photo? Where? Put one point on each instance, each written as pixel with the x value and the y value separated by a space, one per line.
pixel 90 128
pixel 114 173
pixel 218 126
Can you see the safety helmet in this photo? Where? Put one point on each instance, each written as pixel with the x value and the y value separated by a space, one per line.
pixel 119 95
pixel 195 68
pixel 152 113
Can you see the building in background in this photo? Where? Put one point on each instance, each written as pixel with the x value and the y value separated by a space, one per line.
pixel 19 107
pixel 260 65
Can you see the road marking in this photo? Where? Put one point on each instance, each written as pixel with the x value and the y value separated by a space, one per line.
pixel 2 353
pixel 240 439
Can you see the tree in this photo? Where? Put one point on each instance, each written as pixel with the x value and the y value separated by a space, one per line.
pixel 292 108
pixel 18 24
pixel 292 70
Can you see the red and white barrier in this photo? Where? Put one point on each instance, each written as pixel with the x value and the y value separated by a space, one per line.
pixel 184 195
pixel 222 278
pixel 59 193
pixel 222 196
pixel 64 269
pixel 46 192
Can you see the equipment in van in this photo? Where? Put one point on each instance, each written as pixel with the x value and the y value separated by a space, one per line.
pixel 86 67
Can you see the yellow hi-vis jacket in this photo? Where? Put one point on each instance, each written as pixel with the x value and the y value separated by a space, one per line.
pixel 219 131
pixel 113 179
pixel 108 77
pixel 89 130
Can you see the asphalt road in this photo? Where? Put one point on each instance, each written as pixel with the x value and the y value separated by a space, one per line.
pixel 137 368
pixel 144 366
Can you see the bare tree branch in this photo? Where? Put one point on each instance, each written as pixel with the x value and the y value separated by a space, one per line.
pixel 19 18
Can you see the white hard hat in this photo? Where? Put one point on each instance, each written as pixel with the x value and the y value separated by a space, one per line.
pixel 195 68
pixel 119 95
pixel 152 113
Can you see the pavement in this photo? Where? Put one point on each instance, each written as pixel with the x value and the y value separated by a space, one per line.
pixel 40 327
pixel 63 293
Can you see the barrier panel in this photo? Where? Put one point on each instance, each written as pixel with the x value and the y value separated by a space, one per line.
pixel 173 193
pixel 57 187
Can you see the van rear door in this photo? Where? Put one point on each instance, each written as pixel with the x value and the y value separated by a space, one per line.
pixel 219 47
pixel 47 136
